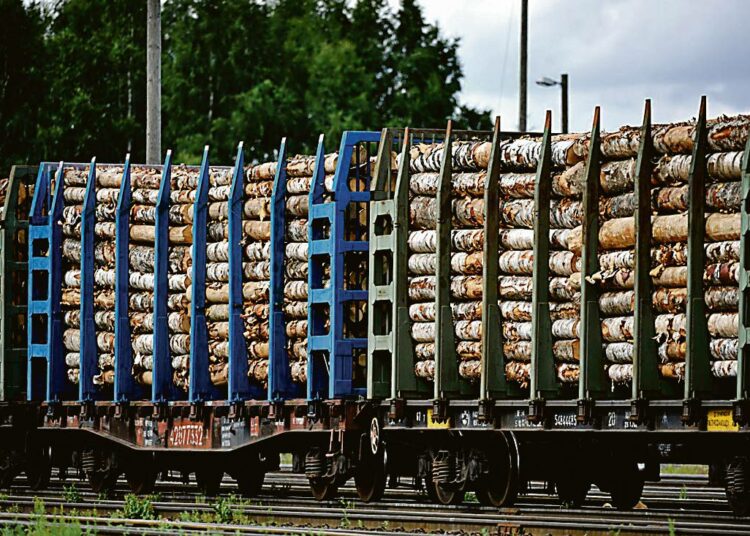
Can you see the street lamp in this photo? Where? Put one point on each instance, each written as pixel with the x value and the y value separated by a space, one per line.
pixel 563 83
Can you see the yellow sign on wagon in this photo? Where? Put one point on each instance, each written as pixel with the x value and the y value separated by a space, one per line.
pixel 440 425
pixel 720 420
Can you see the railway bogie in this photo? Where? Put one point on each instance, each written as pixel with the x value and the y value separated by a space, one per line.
pixel 470 311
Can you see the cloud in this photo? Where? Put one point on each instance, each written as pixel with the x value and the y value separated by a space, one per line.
pixel 617 53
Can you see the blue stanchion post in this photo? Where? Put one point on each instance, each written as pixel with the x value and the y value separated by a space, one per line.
pixel 162 387
pixel 201 388
pixel 87 330
pixel 239 387
pixel 280 384
pixel 38 371
pixel 319 297
pixel 126 388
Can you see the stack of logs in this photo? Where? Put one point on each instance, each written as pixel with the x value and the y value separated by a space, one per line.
pixel 144 183
pixel 516 257
pixel 299 178
pixel 519 159
pixel 107 192
pixel 256 272
pixel 74 190
pixel 467 238
pixel 184 184
pixel 673 144
pixel 217 274
pixel 615 276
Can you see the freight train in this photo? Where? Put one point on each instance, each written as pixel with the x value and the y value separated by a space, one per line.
pixel 464 310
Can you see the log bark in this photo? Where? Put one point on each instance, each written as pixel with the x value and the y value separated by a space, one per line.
pixel 620 373
pixel 518 372
pixel 620 233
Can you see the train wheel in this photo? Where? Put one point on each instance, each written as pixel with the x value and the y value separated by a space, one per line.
pixel 495 494
pixel 370 474
pixel 38 468
pixel 500 485
pixel 141 474
pixel 370 481
pixel 323 490
pixel 440 495
pixel 738 486
pixel 250 481
pixel 101 468
pixel 626 486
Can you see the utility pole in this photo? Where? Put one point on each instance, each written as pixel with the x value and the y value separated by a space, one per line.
pixel 153 82
pixel 564 88
pixel 523 65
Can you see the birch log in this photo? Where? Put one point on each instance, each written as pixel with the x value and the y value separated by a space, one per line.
pixel 183 187
pixel 104 275
pixel 145 183
pixel 620 233
pixel 74 188
pixel 217 276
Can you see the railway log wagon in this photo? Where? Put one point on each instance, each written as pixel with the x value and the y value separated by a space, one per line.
pixel 470 310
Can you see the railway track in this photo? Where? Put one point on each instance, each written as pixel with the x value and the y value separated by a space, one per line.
pixel 677 504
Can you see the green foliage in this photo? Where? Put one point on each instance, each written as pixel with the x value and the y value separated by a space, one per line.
pixel 223 511
pixel 72 76
pixel 138 507
pixel 22 73
pixel 44 523
pixel 39 508
pixel 96 81
pixel 42 527
pixel 71 493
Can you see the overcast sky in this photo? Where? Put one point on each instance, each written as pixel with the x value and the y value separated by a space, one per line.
pixel 617 53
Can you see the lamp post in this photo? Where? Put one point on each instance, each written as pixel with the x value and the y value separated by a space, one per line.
pixel 563 83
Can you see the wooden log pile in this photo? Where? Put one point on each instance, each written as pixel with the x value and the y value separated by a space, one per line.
pixel 299 178
pixel 517 188
pixel 107 190
pixel 669 203
pixel 24 196
pixel 467 189
pixel 74 190
pixel 184 184
pixel 256 273
pixel 617 203
pixel 516 185
pixel 144 183
pixel 217 274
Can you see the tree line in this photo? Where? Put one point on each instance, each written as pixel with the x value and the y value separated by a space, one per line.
pixel 73 76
